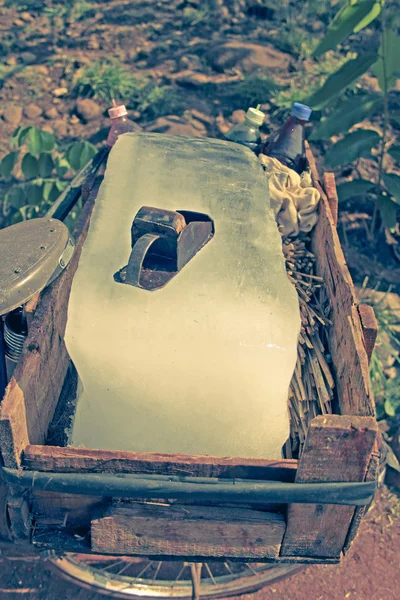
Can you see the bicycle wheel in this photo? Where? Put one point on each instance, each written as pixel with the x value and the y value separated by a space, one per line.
pixel 129 577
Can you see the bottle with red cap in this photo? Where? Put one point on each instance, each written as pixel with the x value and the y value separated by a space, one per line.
pixel 287 145
pixel 120 123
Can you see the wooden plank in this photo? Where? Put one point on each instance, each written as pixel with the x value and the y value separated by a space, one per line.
pixel 84 460
pixel 369 326
pixel 346 342
pixel 31 398
pixel 64 510
pixel 331 193
pixel 190 531
pixel 372 475
pixel 337 449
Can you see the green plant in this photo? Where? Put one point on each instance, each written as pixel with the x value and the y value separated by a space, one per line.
pixel 107 80
pixel 111 80
pixel 356 108
pixel 36 171
pixel 386 389
pixel 254 89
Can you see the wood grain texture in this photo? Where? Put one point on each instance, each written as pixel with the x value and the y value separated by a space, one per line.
pixel 84 460
pixel 190 531
pixel 32 395
pixel 346 342
pixel 331 193
pixel 337 449
pixel 369 326
pixel 372 475
pixel 51 509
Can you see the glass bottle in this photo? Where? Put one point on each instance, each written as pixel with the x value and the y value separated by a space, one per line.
pixel 287 144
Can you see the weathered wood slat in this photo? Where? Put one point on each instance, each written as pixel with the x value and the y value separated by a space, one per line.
pixel 54 509
pixel 369 326
pixel 331 193
pixel 190 531
pixel 337 449
pixel 346 343
pixel 33 392
pixel 83 460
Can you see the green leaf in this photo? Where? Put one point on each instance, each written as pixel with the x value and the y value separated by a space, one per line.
pixel 388 211
pixel 349 113
pixel 392 183
pixel 394 152
pixel 54 194
pixel 371 16
pixel 352 146
pixel 61 185
pixel 88 152
pixel 343 24
pixel 62 166
pixel 341 79
pixel 46 165
pixel 8 163
pixel 394 115
pixel 48 186
pixel 30 166
pixel 14 138
pixel 16 196
pixel 48 141
pixel 352 189
pixel 34 192
pixel 22 135
pixel 390 49
pixel 79 154
pixel 35 141
pixel 390 410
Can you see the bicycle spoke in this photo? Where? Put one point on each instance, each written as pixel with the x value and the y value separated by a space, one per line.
pixel 210 574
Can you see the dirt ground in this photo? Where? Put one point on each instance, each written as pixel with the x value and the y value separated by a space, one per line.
pixel 370 571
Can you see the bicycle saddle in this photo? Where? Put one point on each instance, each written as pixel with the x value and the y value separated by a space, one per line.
pixel 32 254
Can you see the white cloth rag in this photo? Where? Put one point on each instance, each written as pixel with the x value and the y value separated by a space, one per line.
pixel 294 200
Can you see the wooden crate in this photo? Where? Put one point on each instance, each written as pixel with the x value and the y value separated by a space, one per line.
pixel 339 448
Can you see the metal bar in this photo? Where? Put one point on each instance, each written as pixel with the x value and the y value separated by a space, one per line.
pixel 210 489
pixel 70 196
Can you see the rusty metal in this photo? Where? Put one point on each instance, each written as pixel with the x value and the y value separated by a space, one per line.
pixel 163 242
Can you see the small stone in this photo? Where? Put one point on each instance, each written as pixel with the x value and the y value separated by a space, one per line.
pixel 87 109
pixel 13 114
pixel 74 120
pixel 191 79
pixel 61 91
pixel 174 125
pixel 11 61
pixel 51 113
pixel 28 58
pixel 247 57
pixel 60 128
pixel 200 116
pixel 42 69
pixel 26 16
pixel 47 128
pixel 18 23
pixel 32 111
pixel 93 44
pixel 237 116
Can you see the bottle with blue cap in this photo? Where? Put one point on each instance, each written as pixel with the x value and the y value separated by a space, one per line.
pixel 287 145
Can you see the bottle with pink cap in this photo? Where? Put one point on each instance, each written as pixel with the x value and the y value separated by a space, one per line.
pixel 120 123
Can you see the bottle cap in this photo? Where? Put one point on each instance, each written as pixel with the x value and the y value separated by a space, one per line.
pixel 117 111
pixel 255 116
pixel 301 111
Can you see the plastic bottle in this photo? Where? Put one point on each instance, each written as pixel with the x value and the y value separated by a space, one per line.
pixel 248 131
pixel 120 123
pixel 287 145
